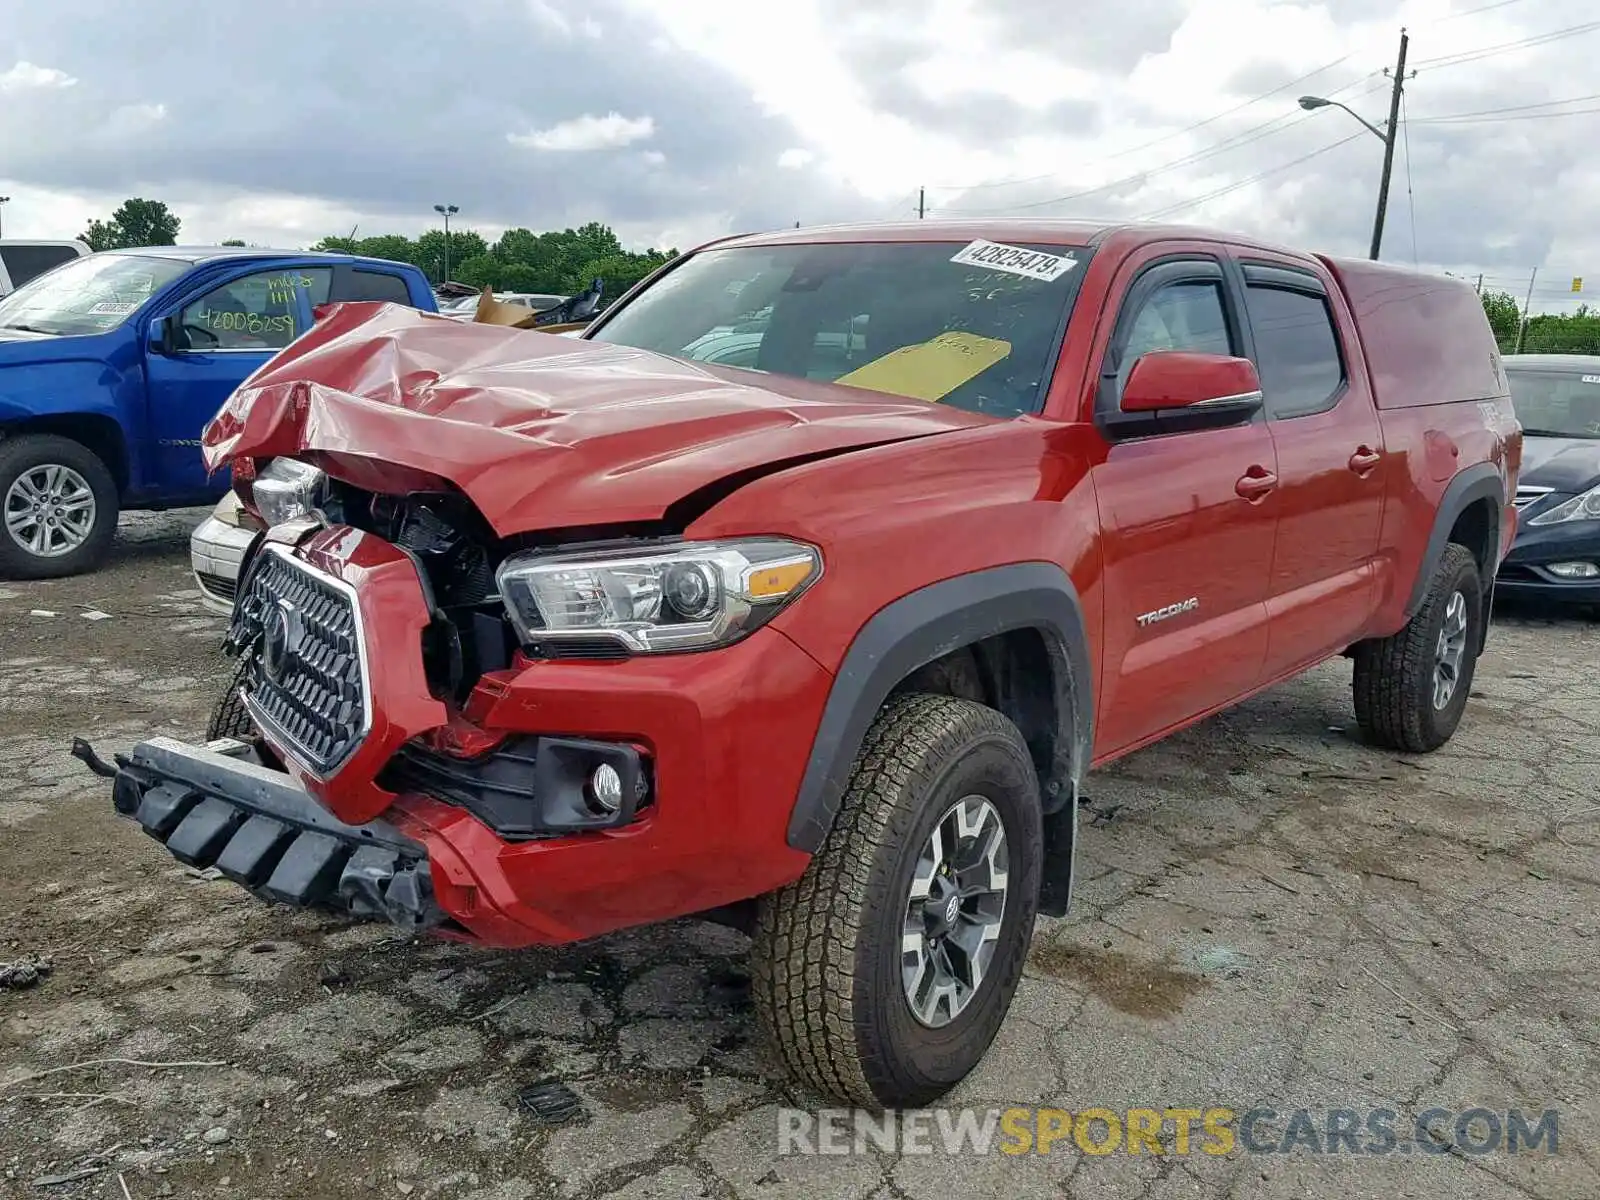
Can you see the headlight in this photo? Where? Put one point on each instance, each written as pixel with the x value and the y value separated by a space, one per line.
pixel 1580 508
pixel 285 489
pixel 687 596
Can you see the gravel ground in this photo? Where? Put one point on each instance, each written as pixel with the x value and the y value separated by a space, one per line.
pixel 1270 913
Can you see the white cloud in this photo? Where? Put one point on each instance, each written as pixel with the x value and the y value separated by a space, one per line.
pixel 26 76
pixel 653 158
pixel 795 158
pixel 588 132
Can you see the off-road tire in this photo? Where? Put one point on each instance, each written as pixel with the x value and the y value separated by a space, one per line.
pixel 825 963
pixel 228 717
pixel 1393 679
pixel 31 450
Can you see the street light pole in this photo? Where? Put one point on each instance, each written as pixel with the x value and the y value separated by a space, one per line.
pixel 1386 135
pixel 4 200
pixel 446 210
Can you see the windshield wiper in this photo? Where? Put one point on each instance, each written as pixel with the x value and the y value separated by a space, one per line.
pixel 27 328
pixel 1555 433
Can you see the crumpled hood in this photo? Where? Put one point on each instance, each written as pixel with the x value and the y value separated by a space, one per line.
pixel 1565 464
pixel 538 430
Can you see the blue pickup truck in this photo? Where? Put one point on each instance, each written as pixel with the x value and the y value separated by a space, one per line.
pixel 111 365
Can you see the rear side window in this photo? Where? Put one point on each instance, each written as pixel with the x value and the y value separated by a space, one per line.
pixel 28 262
pixel 374 285
pixel 1297 350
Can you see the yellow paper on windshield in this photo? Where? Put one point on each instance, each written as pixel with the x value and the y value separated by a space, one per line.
pixel 930 370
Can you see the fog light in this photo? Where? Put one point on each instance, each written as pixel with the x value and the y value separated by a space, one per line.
pixel 1574 570
pixel 605 788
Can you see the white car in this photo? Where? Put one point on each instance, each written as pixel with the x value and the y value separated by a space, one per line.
pixel 216 548
pixel 463 309
pixel 22 260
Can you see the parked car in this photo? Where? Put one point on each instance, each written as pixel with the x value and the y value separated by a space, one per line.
pixel 462 310
pixel 22 260
pixel 587 634
pixel 1557 552
pixel 111 364
pixel 217 548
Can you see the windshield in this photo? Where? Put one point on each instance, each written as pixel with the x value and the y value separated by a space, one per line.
pixel 1557 403
pixel 976 326
pixel 88 295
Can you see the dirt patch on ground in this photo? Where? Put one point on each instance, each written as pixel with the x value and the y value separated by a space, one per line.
pixel 1126 983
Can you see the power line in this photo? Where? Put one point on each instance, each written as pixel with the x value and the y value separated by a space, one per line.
pixel 1167 137
pixel 1243 183
pixel 1254 134
pixel 1466 56
pixel 1472 12
pixel 1411 199
pixel 1485 112
pixel 1571 112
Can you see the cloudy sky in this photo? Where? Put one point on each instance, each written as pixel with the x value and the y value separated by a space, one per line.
pixel 678 120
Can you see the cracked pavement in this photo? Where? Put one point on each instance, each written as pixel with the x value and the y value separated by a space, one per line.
pixel 1269 913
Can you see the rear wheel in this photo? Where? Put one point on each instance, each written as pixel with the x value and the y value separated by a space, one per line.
pixel 1411 688
pixel 883 974
pixel 58 508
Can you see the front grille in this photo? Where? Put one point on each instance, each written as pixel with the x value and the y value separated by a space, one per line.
pixel 1527 494
pixel 301 633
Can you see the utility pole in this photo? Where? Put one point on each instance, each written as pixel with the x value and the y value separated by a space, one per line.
pixel 922 203
pixel 4 200
pixel 1480 283
pixel 1522 325
pixel 1391 131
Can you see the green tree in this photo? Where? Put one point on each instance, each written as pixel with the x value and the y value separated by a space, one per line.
pixel 102 235
pixel 519 277
pixel 481 270
pixel 518 246
pixel 396 247
pixel 430 255
pixel 137 222
pixel 618 272
pixel 1504 313
pixel 232 242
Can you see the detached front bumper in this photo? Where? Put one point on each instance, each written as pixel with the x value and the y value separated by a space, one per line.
pixel 211 807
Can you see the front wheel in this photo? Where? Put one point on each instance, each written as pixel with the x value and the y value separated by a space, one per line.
pixel 1411 688
pixel 58 508
pixel 882 975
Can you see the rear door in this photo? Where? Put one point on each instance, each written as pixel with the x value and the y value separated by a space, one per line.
pixel 225 332
pixel 1331 465
pixel 368 281
pixel 1188 519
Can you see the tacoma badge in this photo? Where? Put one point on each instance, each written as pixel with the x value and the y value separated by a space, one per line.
pixel 1171 610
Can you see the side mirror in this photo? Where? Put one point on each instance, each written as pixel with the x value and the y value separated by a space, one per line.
pixel 164 335
pixel 1167 379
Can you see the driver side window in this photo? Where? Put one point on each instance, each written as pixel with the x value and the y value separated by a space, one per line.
pixel 1186 315
pixel 254 312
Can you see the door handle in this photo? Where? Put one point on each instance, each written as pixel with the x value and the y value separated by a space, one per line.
pixel 1255 483
pixel 1364 459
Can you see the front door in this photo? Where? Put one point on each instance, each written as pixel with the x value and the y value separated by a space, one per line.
pixel 223 335
pixel 1188 521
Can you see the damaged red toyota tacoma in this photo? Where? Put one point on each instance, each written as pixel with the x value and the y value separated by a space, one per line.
pixel 802 590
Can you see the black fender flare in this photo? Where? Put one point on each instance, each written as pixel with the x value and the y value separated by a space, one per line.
pixel 1481 481
pixel 925 625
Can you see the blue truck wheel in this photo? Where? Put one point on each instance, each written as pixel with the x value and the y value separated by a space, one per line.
pixel 58 508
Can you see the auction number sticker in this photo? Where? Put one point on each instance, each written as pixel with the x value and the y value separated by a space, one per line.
pixel 1015 260
pixel 1591 378
pixel 113 308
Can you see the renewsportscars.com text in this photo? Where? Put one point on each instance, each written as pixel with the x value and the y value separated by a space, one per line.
pixel 1217 1130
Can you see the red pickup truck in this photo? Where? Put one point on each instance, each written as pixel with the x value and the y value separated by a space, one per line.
pixel 803 589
